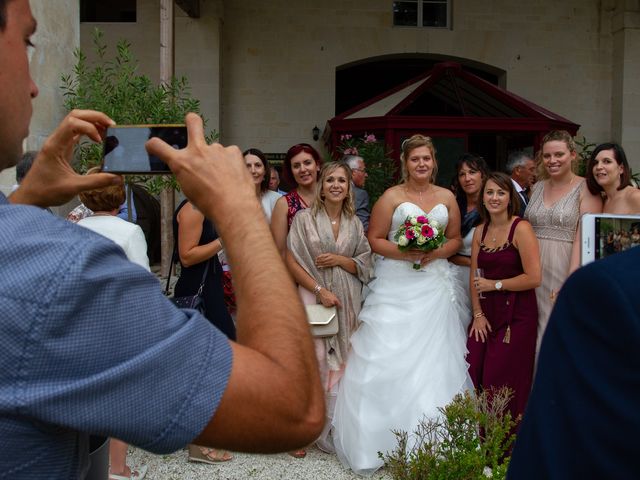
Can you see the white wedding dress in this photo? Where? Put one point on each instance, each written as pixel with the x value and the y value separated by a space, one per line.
pixel 407 357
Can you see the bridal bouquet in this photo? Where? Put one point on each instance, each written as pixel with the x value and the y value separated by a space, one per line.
pixel 419 233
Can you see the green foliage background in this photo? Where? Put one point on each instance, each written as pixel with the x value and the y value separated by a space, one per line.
pixel 381 168
pixel 111 84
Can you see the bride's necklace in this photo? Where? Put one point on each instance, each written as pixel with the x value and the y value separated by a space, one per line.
pixel 335 220
pixel 419 192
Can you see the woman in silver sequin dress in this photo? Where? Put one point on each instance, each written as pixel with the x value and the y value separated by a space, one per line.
pixel 557 202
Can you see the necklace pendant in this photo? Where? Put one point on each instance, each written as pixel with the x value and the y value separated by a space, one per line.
pixel 333 222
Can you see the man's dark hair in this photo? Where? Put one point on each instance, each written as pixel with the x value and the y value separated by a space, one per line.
pixel 3 14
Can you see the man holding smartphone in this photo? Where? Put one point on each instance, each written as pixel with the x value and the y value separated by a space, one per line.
pixel 89 344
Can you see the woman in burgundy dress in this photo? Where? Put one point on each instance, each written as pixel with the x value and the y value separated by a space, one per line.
pixel 301 166
pixel 502 337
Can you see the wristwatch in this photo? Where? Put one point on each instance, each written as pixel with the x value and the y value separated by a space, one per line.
pixel 498 285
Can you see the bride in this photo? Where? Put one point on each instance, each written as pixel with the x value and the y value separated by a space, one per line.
pixel 407 356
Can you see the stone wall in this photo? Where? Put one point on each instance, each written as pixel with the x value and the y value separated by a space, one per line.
pixel 265 71
pixel 197 47
pixel 279 75
pixel 625 126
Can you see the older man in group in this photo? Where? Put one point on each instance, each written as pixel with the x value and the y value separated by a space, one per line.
pixel 361 197
pixel 522 170
pixel 90 345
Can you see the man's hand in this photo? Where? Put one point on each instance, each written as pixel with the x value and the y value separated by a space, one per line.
pixel 51 180
pixel 211 176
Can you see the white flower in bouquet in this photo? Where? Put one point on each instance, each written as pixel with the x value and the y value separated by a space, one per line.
pixel 413 221
pixel 403 241
pixel 435 231
pixel 421 240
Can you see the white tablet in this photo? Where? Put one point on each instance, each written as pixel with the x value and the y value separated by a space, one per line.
pixel 603 234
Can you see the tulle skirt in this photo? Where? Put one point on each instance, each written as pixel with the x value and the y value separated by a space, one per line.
pixel 407 360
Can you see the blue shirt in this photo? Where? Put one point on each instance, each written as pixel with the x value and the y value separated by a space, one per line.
pixel 89 345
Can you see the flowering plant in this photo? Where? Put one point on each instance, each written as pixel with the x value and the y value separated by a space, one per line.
pixel 381 168
pixel 419 233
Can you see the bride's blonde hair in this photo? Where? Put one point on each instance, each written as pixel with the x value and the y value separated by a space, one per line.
pixel 412 143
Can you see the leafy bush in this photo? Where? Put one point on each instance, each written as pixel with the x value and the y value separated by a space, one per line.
pixel 584 153
pixel 470 440
pixel 381 168
pixel 113 86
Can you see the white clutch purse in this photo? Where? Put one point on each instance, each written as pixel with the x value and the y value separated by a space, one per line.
pixel 322 320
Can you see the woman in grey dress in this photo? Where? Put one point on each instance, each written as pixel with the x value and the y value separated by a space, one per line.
pixel 557 202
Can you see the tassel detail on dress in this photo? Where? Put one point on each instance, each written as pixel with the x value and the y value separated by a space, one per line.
pixel 507 335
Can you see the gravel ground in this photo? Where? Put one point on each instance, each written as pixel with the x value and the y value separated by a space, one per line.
pixel 316 466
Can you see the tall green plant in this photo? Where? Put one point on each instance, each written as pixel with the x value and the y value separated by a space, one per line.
pixel 584 153
pixel 381 168
pixel 113 85
pixel 470 440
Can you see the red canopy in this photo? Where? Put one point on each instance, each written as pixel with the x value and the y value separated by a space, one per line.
pixel 462 110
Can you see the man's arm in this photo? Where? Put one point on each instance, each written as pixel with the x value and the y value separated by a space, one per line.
pixel 274 399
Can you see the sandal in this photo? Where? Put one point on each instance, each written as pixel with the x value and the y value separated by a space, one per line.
pixel 208 455
pixel 298 453
pixel 137 473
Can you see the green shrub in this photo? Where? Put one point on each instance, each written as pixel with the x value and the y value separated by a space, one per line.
pixel 471 439
pixel 584 153
pixel 381 168
pixel 113 86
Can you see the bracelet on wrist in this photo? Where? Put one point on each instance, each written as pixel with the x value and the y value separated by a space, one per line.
pixel 478 315
pixel 317 288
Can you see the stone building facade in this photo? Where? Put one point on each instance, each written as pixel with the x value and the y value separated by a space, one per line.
pixel 265 72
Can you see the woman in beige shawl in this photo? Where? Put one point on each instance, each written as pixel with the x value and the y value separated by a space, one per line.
pixel 329 257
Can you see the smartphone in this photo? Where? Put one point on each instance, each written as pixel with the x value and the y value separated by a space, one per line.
pixel 123 148
pixel 603 234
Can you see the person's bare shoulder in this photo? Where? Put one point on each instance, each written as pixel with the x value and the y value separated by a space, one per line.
pixel 444 195
pixel 633 198
pixel 392 196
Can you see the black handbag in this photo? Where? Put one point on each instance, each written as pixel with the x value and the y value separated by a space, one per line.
pixel 195 302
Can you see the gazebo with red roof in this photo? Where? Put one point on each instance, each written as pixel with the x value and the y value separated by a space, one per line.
pixel 459 110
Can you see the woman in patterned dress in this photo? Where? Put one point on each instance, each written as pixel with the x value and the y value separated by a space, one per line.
pixel 558 200
pixel 301 166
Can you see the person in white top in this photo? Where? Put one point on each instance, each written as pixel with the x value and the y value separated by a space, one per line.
pixel 522 169
pixel 105 202
pixel 260 170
